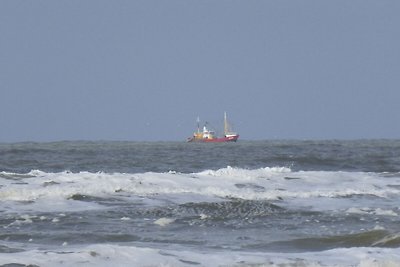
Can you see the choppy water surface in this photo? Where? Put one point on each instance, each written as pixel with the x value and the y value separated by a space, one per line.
pixel 251 203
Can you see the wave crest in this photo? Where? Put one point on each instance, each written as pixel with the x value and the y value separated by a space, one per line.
pixel 246 173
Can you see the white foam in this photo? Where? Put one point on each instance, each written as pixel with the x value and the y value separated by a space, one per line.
pixel 380 211
pixel 246 173
pixel 106 255
pixel 373 211
pixel 24 219
pixel 53 191
pixel 164 221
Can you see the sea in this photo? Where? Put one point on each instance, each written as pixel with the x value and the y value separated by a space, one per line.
pixel 283 203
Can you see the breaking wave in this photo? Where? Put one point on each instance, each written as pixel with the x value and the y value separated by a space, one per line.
pixel 275 183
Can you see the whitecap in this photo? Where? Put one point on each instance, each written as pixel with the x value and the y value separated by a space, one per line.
pixel 164 221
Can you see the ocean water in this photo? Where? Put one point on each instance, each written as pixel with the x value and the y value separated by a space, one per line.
pixel 250 203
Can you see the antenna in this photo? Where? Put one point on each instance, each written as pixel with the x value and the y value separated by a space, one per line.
pixel 226 130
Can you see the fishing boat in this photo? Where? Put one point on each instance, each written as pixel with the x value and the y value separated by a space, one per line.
pixel 209 136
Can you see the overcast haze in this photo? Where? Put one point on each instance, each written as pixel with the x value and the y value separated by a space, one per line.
pixel 144 70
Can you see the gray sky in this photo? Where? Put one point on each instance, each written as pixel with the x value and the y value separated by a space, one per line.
pixel 144 70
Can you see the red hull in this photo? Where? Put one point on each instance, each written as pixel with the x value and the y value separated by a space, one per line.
pixel 233 138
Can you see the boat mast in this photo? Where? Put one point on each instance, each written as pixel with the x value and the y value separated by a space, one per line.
pixel 226 130
pixel 198 124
